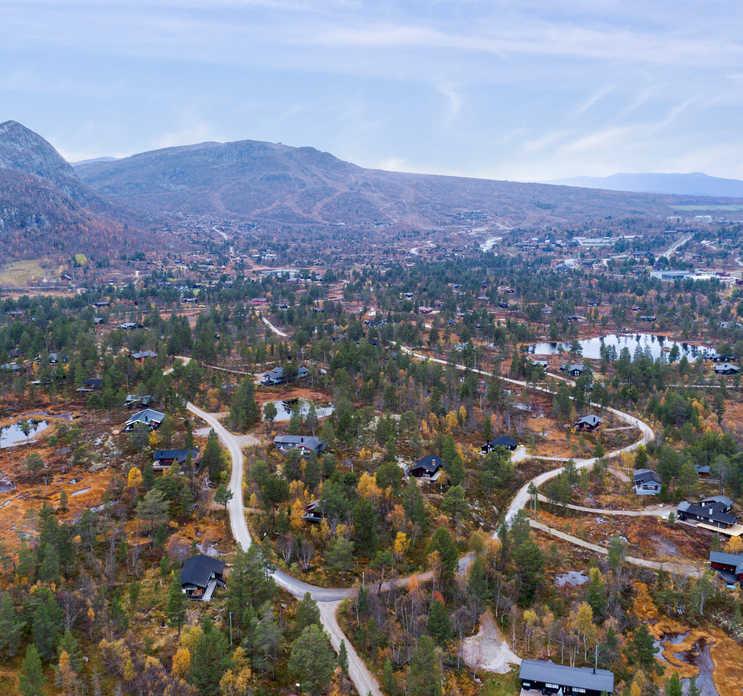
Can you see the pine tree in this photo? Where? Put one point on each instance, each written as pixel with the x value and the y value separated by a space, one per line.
pixel 343 658
pixel 244 411
pixel 32 680
pixel 213 457
pixel 176 609
pixel 424 673
pixel 673 686
pixel 11 627
pixel 307 613
pixel 389 682
pixel 439 625
pixel 46 622
pixel 210 659
pixel 312 660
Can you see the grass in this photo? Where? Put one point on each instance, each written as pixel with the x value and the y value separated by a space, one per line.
pixel 20 273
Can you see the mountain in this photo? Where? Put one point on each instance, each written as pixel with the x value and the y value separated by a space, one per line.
pixel 93 160
pixel 44 207
pixel 694 184
pixel 274 183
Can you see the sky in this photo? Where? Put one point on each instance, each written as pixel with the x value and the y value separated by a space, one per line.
pixel 530 90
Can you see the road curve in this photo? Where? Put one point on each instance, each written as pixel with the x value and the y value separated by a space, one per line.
pixel 521 499
pixel 327 598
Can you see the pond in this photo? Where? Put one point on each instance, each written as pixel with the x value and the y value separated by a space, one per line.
pixel 650 344
pixel 284 409
pixel 699 655
pixel 21 432
pixel 572 578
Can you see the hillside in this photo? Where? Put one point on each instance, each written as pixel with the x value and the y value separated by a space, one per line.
pixel 44 207
pixel 695 184
pixel 276 183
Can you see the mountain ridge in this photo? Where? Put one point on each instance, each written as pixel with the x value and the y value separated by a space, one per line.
pixel 667 183
pixel 284 185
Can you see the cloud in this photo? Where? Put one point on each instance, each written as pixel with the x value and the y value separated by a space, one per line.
pixel 545 141
pixel 188 134
pixel 588 103
pixel 453 100
pixel 598 140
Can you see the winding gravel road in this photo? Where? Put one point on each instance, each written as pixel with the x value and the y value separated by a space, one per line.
pixel 329 599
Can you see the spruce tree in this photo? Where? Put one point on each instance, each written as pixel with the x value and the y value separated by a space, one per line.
pixel 307 613
pixel 312 660
pixel 11 627
pixel 176 609
pixel 439 625
pixel 424 673
pixel 32 680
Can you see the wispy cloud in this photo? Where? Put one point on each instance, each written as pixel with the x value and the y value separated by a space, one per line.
pixel 593 99
pixel 452 99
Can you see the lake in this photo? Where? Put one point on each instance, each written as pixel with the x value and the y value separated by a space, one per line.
pixel 650 344
pixel 21 432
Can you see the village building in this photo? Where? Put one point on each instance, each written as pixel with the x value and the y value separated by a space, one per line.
pixel 547 677
pixel 589 423
pixel 427 468
pixel 148 417
pixel 510 443
pixel 715 511
pixel 728 565
pixel 305 444
pixel 165 458
pixel 646 482
pixel 200 577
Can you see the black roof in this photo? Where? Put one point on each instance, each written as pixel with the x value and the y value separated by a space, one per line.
pixel 198 569
pixel 645 475
pixel 711 513
pixel 430 464
pixel 178 454
pixel 601 680
pixel 503 441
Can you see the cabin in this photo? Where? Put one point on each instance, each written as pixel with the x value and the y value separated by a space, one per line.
pixel 200 577
pixel 90 385
pixel 305 444
pixel 143 400
pixel 573 369
pixel 427 468
pixel 721 502
pixel 549 678
pixel 727 369
pixel 164 459
pixel 588 423
pixel 149 417
pixel 143 354
pixel 510 443
pixel 728 565
pixel 703 470
pixel 278 376
pixel 646 482
pixel 714 511
pixel 313 512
